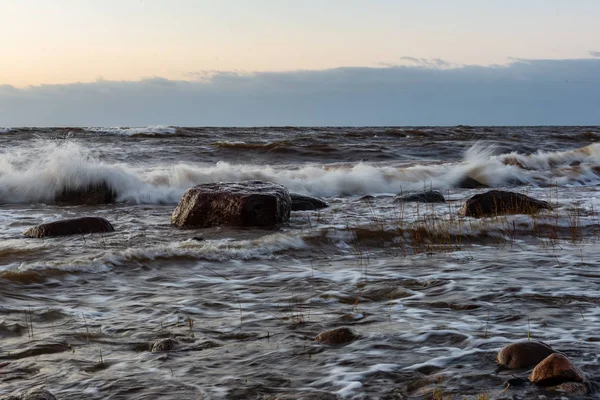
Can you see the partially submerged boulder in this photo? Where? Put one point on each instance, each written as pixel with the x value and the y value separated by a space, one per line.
pixel 99 193
pixel 75 226
pixel 523 354
pixel 247 203
pixel 555 369
pixel 469 183
pixel 33 394
pixel 164 345
pixel 301 202
pixel 430 196
pixel 499 202
pixel 337 336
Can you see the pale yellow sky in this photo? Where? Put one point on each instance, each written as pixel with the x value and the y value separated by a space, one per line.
pixel 64 41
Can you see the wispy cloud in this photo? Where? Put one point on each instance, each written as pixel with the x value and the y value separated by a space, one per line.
pixel 595 53
pixel 525 92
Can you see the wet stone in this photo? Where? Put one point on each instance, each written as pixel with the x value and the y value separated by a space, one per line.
pixel 244 204
pixel 164 345
pixel 499 202
pixel 337 336
pixel 75 226
pixel 555 369
pixel 99 193
pixel 574 388
pixel 523 354
pixel 306 203
pixel 431 196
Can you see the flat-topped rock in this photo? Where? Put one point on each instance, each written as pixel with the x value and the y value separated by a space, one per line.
pixel 246 203
pixel 75 226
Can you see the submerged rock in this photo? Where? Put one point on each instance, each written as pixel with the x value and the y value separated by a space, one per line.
pixel 166 344
pixel 99 193
pixel 337 336
pixel 523 354
pixel 498 202
pixel 33 394
pixel 306 203
pixel 574 388
pixel 430 196
pixel 73 226
pixel 555 369
pixel 248 203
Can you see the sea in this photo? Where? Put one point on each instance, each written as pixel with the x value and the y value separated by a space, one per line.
pixel 431 295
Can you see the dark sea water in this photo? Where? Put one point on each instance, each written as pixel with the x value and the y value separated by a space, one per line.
pixel 432 295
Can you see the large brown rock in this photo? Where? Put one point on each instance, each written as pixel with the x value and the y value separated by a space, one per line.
pixel 99 193
pixel 499 202
pixel 247 203
pixel 73 226
pixel 523 354
pixel 301 202
pixel 555 369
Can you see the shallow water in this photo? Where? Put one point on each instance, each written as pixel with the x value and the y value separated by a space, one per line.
pixel 432 295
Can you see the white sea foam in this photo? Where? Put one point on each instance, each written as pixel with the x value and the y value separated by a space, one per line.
pixel 36 173
pixel 149 130
pixel 5 130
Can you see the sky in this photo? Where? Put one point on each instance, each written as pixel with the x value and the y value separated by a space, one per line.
pixel 268 62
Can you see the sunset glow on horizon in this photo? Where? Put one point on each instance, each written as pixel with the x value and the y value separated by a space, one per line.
pixel 66 41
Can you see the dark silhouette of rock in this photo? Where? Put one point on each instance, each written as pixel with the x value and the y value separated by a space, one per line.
pixel 166 344
pixel 555 369
pixel 337 336
pixel 247 203
pixel 430 196
pixel 306 203
pixel 523 354
pixel 498 202
pixel 73 226
pixel 99 193
pixel 469 183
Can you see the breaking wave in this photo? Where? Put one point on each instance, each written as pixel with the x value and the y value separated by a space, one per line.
pixel 149 130
pixel 45 168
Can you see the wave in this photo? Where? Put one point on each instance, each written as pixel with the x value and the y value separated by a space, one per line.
pixel 149 130
pixel 45 168
pixel 5 130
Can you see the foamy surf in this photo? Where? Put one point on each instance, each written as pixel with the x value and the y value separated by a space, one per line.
pixel 38 172
pixel 148 130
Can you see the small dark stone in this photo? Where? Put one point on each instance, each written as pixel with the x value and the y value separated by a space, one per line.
pixel 73 226
pixel 99 193
pixel 198 239
pixel 306 203
pixel 469 183
pixel 36 394
pixel 163 345
pixel 248 203
pixel 498 202
pixel 431 196
pixel 337 336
